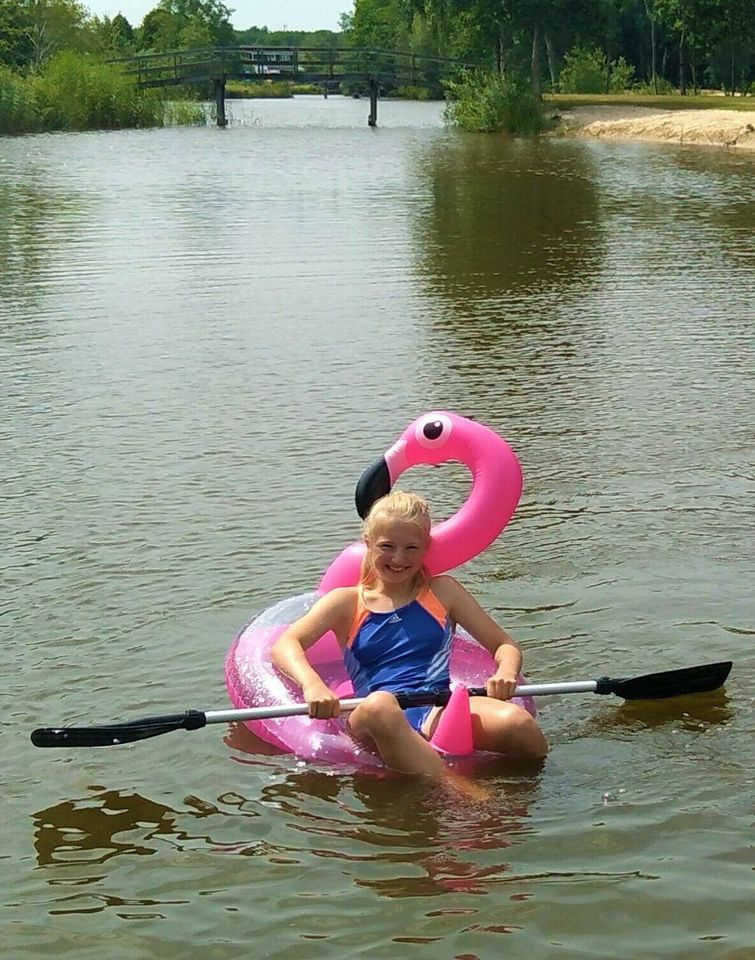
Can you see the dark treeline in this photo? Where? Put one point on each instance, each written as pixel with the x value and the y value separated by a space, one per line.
pixel 588 46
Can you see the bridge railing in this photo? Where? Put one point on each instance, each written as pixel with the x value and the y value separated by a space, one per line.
pixel 259 63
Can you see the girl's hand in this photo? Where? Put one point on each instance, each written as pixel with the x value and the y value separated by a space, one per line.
pixel 323 703
pixel 501 687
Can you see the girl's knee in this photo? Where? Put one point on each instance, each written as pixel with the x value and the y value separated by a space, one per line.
pixel 526 736
pixel 378 712
pixel 507 728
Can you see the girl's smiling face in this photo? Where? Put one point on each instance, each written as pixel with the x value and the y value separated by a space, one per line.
pixel 398 550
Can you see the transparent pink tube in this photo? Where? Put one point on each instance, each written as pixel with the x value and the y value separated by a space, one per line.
pixel 436 437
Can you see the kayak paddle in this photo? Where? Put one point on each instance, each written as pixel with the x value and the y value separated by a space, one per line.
pixel 650 686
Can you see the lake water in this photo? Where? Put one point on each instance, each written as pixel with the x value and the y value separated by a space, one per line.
pixel 205 336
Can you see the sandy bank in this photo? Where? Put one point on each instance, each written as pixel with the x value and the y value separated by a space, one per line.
pixel 714 128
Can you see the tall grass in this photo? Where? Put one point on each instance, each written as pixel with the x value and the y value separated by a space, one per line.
pixel 18 105
pixel 79 93
pixel 489 103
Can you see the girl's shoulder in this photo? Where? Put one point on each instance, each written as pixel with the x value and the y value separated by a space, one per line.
pixel 341 597
pixel 444 587
pixel 338 605
pixel 336 610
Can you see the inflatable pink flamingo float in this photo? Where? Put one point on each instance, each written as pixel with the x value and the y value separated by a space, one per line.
pixel 433 438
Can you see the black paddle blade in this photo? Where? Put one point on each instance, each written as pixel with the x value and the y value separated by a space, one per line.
pixel 111 734
pixel 670 683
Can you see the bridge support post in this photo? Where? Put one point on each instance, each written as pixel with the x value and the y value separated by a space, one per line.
pixel 220 101
pixel 372 119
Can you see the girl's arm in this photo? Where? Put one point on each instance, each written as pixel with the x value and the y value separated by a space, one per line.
pixel 333 612
pixel 467 612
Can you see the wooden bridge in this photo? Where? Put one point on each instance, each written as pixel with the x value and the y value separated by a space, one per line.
pixel 329 67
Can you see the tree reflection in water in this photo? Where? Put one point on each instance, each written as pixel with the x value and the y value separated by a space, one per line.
pixel 509 220
pixel 38 221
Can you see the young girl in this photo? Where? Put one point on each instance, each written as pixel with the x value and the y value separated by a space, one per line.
pixel 395 628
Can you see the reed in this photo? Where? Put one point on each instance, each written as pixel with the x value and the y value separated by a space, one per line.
pixel 18 106
pixel 79 93
pixel 76 93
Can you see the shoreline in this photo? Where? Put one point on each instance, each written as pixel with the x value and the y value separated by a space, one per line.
pixel 709 128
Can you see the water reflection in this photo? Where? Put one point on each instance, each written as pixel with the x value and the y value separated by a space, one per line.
pixel 112 823
pixel 402 837
pixel 74 840
pixel 693 713
pixel 507 219
pixel 398 837
pixel 36 220
pixel 684 716
pixel 240 738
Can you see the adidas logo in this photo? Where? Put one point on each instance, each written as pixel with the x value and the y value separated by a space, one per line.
pixel 394 619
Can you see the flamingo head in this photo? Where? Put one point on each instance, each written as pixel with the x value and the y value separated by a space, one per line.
pixel 437 437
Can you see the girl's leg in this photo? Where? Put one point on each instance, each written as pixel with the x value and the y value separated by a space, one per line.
pixel 381 720
pixel 504 727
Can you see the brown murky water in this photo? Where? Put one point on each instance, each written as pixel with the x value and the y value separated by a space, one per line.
pixel 204 337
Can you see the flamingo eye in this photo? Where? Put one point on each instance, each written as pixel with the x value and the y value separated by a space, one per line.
pixel 432 431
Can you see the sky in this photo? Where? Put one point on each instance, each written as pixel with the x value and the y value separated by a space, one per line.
pixel 275 14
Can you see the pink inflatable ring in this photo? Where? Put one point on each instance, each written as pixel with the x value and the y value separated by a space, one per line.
pixel 434 438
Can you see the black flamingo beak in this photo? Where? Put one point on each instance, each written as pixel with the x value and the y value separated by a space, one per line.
pixel 374 483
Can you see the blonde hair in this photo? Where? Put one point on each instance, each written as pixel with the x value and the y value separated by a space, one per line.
pixel 396 506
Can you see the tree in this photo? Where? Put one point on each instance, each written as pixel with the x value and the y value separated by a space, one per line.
pixel 121 33
pixel 15 47
pixel 734 39
pixel 176 23
pixel 195 35
pixel 54 25
pixel 382 24
pixel 159 31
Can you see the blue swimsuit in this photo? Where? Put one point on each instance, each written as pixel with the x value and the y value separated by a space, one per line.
pixel 401 650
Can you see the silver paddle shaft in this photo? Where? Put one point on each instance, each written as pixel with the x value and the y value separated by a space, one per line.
pixel 302 710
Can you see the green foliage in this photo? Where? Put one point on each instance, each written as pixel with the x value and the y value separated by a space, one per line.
pixel 662 87
pixel 196 36
pixel 53 26
pixel 622 76
pixel 182 113
pixel 120 35
pixel 691 40
pixel 587 70
pixel 381 24
pixel 18 106
pixel 584 71
pixel 241 90
pixel 76 93
pixel 262 37
pixel 730 64
pixel 489 103
pixel 14 36
pixel 186 24
pixel 79 93
pixel 270 90
pixel 159 31
pixel 636 98
pixel 409 92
